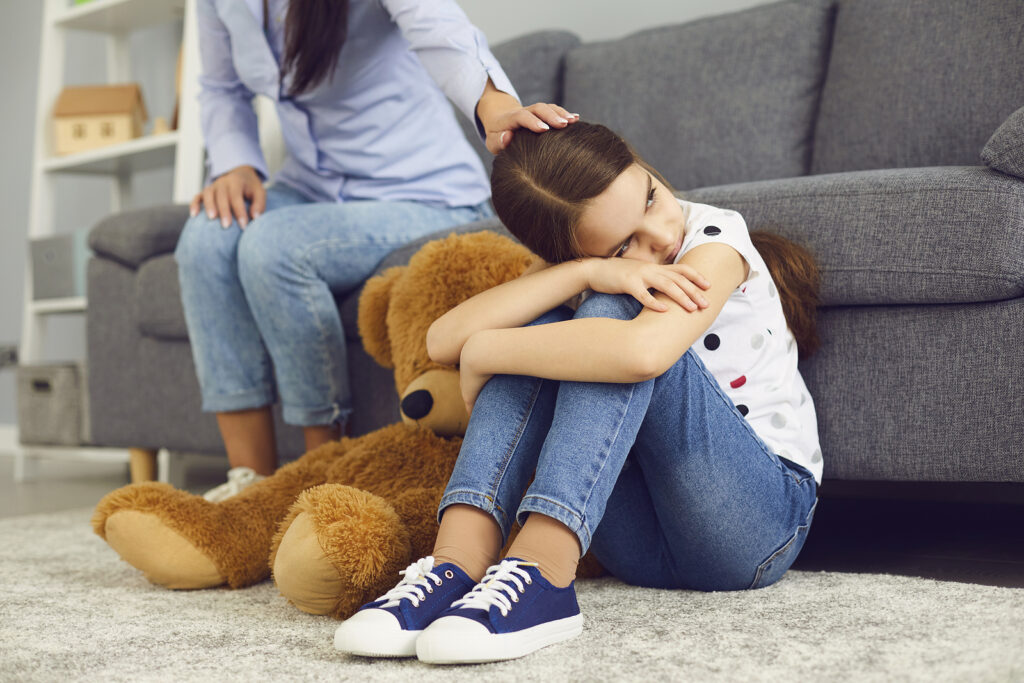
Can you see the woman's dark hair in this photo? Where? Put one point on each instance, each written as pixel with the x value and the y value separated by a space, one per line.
pixel 315 31
pixel 542 183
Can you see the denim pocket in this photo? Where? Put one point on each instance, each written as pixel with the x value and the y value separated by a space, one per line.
pixel 772 569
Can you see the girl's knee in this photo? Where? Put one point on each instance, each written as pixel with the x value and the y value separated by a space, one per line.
pixel 618 306
pixel 264 249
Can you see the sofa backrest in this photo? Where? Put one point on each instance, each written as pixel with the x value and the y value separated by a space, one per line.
pixel 726 99
pixel 918 82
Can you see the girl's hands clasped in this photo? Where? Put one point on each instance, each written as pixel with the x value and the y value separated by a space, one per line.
pixel 680 282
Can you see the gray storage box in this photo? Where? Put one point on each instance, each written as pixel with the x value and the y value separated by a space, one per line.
pixel 58 265
pixel 53 407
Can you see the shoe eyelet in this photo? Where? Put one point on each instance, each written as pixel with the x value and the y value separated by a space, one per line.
pixel 449 574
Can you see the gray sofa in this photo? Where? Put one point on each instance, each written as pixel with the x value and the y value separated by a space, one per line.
pixel 855 127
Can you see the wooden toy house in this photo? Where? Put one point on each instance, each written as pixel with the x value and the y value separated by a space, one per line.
pixel 87 117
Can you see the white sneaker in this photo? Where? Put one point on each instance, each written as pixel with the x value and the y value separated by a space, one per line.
pixel 239 479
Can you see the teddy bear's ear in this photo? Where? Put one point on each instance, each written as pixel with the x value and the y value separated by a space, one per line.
pixel 373 315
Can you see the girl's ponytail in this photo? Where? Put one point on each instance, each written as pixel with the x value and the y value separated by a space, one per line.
pixel 796 275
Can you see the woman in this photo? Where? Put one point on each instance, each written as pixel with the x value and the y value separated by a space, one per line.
pixel 375 160
pixel 670 433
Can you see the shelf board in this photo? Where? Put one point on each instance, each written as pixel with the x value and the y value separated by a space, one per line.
pixel 93 453
pixel 120 16
pixel 75 304
pixel 140 154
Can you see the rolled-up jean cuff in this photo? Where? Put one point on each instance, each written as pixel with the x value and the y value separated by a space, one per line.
pixel 480 501
pixel 246 400
pixel 315 417
pixel 562 514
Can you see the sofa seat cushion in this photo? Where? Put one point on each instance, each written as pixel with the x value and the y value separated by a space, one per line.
pixel 907 236
pixel 918 82
pixel 726 99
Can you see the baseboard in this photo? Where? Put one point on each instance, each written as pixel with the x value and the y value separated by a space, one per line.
pixel 8 439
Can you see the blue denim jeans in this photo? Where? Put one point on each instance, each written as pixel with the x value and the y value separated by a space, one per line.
pixel 260 303
pixel 663 480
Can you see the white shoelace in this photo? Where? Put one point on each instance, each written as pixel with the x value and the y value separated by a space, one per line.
pixel 239 479
pixel 500 587
pixel 416 578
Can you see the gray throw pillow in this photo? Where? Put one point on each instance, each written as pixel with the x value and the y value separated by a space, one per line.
pixel 1004 151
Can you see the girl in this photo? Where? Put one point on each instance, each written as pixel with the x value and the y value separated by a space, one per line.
pixel 677 419
pixel 375 160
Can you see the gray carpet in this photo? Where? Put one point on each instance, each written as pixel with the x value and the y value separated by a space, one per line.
pixel 71 610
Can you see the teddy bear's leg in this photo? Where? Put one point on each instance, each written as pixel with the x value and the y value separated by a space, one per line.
pixel 180 540
pixel 341 547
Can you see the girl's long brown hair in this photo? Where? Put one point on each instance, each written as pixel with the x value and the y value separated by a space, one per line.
pixel 542 183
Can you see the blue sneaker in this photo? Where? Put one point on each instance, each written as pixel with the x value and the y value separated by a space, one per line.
pixel 389 626
pixel 514 611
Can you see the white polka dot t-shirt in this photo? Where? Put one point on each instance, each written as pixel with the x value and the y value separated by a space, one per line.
pixel 750 350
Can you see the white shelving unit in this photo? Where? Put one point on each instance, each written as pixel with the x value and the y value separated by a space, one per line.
pixel 181 150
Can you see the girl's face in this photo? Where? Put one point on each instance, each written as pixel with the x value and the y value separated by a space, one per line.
pixel 636 217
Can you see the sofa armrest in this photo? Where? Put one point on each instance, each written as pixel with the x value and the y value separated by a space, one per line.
pixel 938 235
pixel 132 237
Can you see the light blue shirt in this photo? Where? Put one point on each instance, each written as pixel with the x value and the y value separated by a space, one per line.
pixel 381 128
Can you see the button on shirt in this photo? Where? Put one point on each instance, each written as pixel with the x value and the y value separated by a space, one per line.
pixel 381 128
pixel 749 349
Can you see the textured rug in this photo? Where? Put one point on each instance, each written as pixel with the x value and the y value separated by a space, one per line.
pixel 71 610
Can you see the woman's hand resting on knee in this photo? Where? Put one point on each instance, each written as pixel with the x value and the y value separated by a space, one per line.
pixel 226 196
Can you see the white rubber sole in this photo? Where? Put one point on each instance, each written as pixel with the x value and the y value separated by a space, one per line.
pixel 457 640
pixel 375 633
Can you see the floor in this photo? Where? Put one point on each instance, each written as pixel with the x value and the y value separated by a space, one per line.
pixel 893 529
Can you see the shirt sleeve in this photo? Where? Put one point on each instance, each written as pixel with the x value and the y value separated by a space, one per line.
pixel 453 50
pixel 227 117
pixel 711 225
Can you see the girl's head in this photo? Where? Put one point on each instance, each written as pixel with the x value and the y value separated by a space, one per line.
pixel 582 191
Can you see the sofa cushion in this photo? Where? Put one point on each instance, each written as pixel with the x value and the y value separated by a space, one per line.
pixel 1004 151
pixel 901 236
pixel 918 82
pixel 133 236
pixel 157 301
pixel 726 99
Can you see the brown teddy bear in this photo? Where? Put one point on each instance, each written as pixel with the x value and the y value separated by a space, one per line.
pixel 339 523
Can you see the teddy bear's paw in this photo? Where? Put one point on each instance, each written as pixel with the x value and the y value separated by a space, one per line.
pixel 338 548
pixel 138 522
pixel 164 556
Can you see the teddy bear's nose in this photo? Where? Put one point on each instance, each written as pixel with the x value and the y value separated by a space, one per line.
pixel 417 404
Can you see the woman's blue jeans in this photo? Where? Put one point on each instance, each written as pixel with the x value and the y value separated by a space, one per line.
pixel 663 480
pixel 260 303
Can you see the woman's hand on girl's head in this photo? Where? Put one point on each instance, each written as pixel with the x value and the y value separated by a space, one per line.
pixel 501 114
pixel 678 281
pixel 226 196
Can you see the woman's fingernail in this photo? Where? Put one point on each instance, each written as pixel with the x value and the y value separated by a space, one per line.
pixel 193 213
pixel 225 223
pixel 561 120
pixel 209 214
pixel 575 116
pixel 544 125
pixel 501 138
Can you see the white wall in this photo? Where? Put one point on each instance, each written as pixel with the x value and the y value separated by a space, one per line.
pixel 82 202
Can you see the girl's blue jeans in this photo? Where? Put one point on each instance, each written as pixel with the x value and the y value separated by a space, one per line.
pixel 260 303
pixel 663 480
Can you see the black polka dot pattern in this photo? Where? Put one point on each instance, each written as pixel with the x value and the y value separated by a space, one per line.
pixel 712 342
pixel 743 409
pixel 712 231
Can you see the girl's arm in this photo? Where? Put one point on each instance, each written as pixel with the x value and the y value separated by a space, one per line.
pixel 603 349
pixel 520 301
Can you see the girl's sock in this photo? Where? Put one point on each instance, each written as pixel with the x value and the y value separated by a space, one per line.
pixel 468 538
pixel 552 545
